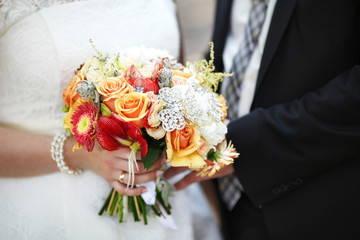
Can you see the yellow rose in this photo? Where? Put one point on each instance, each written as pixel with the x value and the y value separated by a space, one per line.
pixel 182 146
pixel 112 88
pixel 133 107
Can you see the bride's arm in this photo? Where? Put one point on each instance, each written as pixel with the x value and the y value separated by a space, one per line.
pixel 25 154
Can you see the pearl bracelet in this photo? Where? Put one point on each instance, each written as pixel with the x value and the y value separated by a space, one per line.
pixel 57 150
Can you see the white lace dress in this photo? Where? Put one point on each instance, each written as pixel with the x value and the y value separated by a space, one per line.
pixel 42 42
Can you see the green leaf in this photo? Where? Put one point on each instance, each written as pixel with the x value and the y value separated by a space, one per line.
pixel 65 109
pixel 152 155
pixel 105 111
pixel 155 147
pixel 213 156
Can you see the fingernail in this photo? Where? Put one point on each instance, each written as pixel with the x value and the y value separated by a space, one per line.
pixel 159 173
pixel 144 190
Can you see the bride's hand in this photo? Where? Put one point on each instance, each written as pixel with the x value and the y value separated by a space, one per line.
pixel 112 164
pixel 192 176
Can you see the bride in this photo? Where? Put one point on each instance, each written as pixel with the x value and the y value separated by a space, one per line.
pixel 42 42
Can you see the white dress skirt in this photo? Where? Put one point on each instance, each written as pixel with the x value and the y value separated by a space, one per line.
pixel 41 44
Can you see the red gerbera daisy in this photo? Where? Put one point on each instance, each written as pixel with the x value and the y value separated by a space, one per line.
pixel 84 121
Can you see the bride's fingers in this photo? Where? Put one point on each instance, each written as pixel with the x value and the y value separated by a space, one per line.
pixel 139 178
pixel 124 165
pixel 124 152
pixel 187 180
pixel 173 171
pixel 124 190
pixel 193 178
pixel 154 167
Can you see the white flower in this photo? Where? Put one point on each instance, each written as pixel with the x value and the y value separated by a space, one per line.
pixel 143 54
pixel 213 132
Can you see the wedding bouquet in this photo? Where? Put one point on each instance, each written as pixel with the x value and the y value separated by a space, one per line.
pixel 145 100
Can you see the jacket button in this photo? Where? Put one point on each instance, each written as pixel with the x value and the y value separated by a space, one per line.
pixel 298 181
pixel 276 190
pixel 283 188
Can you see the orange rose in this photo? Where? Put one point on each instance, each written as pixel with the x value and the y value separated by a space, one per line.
pixel 112 88
pixel 133 107
pixel 182 146
pixel 70 95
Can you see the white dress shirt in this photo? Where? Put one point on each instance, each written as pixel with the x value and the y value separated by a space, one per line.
pixel 239 18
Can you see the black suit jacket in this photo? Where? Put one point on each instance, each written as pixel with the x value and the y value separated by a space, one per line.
pixel 300 145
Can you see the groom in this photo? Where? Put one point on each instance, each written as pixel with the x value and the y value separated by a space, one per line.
pixel 294 102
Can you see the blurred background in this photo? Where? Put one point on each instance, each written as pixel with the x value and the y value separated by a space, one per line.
pixel 196 19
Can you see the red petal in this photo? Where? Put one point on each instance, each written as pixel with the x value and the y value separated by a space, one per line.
pixel 138 82
pixel 210 163
pixel 143 146
pixel 108 130
pixel 85 138
pixel 151 85
pixel 157 70
pixel 136 135
pixel 132 74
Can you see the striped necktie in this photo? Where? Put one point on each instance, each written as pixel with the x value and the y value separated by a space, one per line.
pixel 229 186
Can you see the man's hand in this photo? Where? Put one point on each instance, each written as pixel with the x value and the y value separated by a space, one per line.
pixel 192 178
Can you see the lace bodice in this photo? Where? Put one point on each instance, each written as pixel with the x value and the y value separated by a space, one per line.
pixel 34 73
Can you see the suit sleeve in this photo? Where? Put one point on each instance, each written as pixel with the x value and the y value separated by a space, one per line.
pixel 286 145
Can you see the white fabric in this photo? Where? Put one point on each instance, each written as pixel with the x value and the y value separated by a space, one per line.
pixel 239 17
pixel 40 49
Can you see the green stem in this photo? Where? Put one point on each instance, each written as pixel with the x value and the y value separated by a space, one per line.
pixel 136 218
pixel 143 208
pixel 114 203
pixel 161 201
pixel 106 203
pixel 157 213
pixel 158 209
pixel 120 208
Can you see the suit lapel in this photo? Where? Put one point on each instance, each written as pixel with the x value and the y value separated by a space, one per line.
pixel 222 25
pixel 281 17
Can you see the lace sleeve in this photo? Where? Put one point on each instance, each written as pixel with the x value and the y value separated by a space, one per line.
pixel 12 11
pixel 4 8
